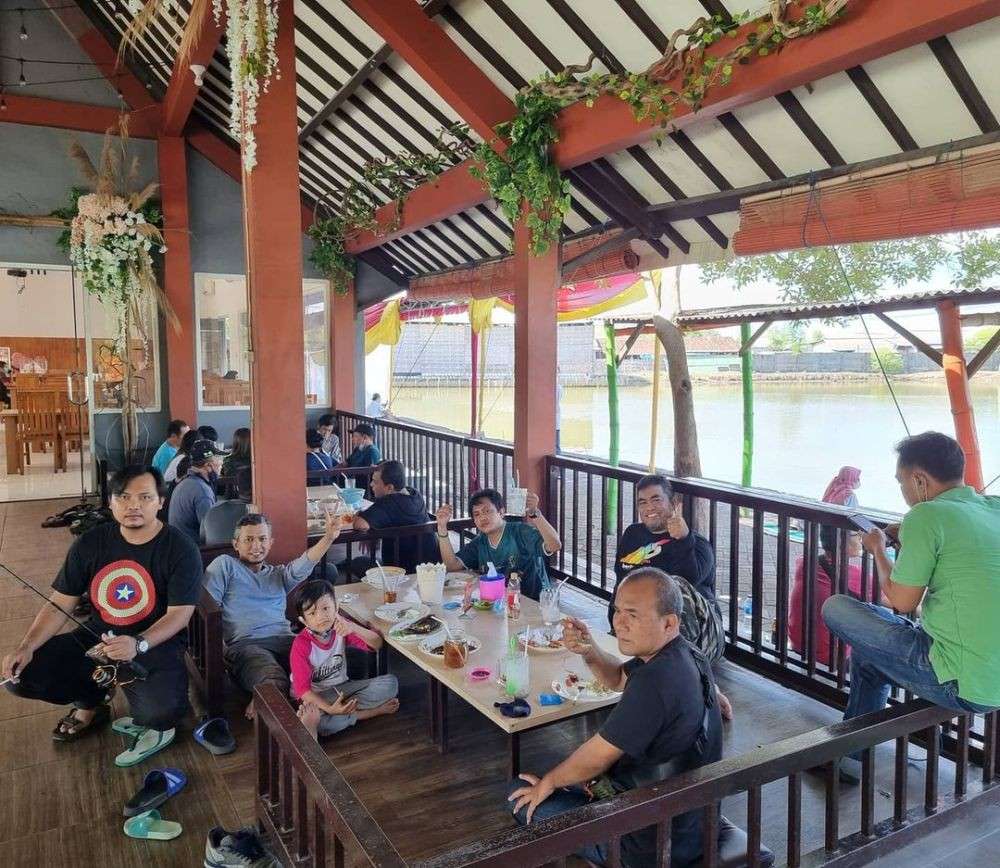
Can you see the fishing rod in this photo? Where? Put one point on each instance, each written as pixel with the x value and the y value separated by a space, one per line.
pixel 105 673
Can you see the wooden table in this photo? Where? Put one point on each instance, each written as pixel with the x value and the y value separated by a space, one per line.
pixel 493 633
pixel 11 443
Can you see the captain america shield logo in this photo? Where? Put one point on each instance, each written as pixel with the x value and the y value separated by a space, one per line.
pixel 123 592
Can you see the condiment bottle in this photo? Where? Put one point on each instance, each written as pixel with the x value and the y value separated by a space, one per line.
pixel 514 597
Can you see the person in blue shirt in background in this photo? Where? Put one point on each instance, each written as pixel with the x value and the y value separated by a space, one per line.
pixel 316 458
pixel 364 451
pixel 515 546
pixel 168 448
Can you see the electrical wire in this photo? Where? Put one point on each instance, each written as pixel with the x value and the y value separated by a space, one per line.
pixel 814 198
pixel 18 59
pixel 395 391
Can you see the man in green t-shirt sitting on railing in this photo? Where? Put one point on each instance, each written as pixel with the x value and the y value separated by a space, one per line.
pixel 949 560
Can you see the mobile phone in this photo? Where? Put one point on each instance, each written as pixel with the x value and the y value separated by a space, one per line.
pixel 861 523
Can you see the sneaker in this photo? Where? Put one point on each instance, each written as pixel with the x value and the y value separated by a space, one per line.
pixel 240 849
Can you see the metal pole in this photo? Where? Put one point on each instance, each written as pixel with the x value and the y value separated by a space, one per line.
pixel 746 369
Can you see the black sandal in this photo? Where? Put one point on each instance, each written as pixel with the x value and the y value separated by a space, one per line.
pixel 70 727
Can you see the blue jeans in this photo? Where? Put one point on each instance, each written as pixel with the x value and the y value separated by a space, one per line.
pixel 562 800
pixel 887 649
pixel 685 832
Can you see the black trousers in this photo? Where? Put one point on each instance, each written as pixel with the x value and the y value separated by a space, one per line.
pixel 61 673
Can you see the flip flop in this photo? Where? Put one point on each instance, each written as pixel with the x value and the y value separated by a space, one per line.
pixel 152 827
pixel 150 742
pixel 215 737
pixel 101 716
pixel 158 786
pixel 125 726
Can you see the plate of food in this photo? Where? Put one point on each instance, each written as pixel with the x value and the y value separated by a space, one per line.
pixel 542 642
pixel 577 689
pixel 395 613
pixel 416 629
pixel 482 605
pixel 373 576
pixel 434 645
pixel 456 581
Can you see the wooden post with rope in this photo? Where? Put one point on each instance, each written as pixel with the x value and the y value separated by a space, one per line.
pixel 959 396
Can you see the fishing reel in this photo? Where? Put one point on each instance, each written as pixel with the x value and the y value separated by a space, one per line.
pixel 114 673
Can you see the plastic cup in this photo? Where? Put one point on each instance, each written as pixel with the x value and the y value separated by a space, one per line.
pixel 517 501
pixel 430 583
pixel 456 650
pixel 548 602
pixel 517 672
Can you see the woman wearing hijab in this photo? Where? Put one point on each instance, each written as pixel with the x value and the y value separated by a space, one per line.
pixel 841 489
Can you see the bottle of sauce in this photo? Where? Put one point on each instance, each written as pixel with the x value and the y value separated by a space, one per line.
pixel 514 597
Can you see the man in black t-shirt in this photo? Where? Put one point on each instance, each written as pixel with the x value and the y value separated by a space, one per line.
pixel 143 578
pixel 663 540
pixel 398 506
pixel 666 722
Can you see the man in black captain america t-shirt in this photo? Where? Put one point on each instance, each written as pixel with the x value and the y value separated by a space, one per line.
pixel 144 578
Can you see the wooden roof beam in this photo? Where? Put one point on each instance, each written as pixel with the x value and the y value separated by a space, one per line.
pixel 80 117
pixel 182 91
pixel 983 356
pixel 868 31
pixel 439 62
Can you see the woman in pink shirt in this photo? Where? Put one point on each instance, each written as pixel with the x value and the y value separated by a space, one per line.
pixel 330 700
pixel 826 571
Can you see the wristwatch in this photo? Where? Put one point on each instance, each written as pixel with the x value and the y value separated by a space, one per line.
pixel 141 644
pixel 531 513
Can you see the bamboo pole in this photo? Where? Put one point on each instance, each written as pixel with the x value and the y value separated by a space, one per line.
pixel 611 366
pixel 26 222
pixel 746 370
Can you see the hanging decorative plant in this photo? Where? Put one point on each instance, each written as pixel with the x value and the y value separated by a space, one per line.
pixel 353 209
pixel 111 241
pixel 251 37
pixel 524 177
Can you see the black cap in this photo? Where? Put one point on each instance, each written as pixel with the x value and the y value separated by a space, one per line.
pixel 202 450
pixel 363 428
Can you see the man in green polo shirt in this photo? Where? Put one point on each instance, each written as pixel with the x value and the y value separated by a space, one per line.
pixel 949 560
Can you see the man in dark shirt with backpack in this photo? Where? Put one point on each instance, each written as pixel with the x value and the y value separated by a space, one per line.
pixel 662 539
pixel 144 578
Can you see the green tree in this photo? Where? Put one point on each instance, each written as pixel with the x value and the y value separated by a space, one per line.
pixel 970 259
pixel 892 362
pixel 789 338
pixel 979 338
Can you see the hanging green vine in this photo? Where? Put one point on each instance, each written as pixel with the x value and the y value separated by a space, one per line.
pixel 353 209
pixel 525 177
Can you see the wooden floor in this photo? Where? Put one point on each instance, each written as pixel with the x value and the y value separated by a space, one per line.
pixel 61 804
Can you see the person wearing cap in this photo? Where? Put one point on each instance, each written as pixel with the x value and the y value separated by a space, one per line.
pixel 364 452
pixel 194 495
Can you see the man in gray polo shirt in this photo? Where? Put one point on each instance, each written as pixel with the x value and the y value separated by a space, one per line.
pixel 252 595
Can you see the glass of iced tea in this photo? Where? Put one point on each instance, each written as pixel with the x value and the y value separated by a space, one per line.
pixel 456 650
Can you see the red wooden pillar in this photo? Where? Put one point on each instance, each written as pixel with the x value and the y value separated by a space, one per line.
pixel 536 279
pixel 272 221
pixel 343 339
pixel 957 379
pixel 178 283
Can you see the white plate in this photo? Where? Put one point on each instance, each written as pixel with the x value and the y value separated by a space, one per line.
pixel 397 612
pixel 539 635
pixel 374 578
pixel 436 640
pixel 585 695
pixel 419 637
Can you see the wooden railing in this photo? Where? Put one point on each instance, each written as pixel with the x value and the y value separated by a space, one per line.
pixel 302 797
pixel 304 806
pixel 444 467
pixel 205 651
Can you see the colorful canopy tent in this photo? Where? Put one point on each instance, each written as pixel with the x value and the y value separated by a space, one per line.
pixel 383 322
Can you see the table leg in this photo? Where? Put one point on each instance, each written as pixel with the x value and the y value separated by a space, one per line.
pixel 12 445
pixel 432 701
pixel 442 719
pixel 514 768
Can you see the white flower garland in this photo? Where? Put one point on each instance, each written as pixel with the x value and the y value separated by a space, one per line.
pixel 251 39
pixel 111 246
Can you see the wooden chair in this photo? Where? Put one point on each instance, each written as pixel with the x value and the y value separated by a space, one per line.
pixel 38 424
pixel 75 423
